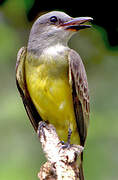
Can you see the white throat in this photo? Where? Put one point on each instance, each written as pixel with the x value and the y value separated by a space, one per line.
pixel 55 50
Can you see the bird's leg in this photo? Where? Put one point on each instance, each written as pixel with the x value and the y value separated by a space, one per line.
pixel 67 144
pixel 69 135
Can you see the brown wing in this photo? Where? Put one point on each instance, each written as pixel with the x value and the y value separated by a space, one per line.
pixel 21 85
pixel 80 93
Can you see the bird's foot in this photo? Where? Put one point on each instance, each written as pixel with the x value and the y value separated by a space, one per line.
pixel 67 144
pixel 40 130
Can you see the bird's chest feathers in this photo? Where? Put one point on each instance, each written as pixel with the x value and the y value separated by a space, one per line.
pixel 52 62
pixel 50 68
pixel 48 84
pixel 56 57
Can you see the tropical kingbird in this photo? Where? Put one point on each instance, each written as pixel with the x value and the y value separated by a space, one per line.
pixel 52 79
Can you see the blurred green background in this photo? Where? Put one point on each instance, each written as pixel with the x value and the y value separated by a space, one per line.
pixel 20 152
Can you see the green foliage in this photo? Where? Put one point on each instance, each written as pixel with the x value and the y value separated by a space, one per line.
pixel 9 41
pixel 20 151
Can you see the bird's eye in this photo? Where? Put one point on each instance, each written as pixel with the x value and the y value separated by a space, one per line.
pixel 53 19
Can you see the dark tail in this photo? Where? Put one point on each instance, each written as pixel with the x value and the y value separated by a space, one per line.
pixel 81 173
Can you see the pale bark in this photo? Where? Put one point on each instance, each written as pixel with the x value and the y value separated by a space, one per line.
pixel 61 162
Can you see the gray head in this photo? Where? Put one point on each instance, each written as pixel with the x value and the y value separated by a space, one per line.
pixel 53 28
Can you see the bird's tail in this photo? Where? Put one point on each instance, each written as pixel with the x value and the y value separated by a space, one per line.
pixel 81 173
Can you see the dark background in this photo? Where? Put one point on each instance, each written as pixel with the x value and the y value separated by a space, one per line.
pixel 104 13
pixel 20 152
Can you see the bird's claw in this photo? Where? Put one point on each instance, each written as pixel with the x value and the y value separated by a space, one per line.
pixel 40 130
pixel 67 144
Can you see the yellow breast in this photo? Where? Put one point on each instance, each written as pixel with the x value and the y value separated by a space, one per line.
pixel 49 88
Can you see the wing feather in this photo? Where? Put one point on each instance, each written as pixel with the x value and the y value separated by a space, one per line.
pixel 80 93
pixel 21 85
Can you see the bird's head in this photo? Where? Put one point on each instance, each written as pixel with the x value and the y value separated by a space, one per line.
pixel 55 27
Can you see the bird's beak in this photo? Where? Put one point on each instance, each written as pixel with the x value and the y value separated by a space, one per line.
pixel 76 24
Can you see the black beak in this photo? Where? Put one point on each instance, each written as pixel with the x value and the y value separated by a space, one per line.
pixel 76 24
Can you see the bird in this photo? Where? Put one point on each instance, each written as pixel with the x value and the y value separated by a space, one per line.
pixel 52 80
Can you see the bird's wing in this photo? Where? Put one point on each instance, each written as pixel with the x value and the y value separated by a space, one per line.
pixel 80 93
pixel 21 85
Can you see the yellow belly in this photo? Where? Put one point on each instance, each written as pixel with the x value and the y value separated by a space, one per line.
pixel 52 97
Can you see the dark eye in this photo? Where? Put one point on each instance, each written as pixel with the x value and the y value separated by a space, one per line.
pixel 53 19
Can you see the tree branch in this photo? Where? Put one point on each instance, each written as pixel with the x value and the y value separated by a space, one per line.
pixel 61 162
